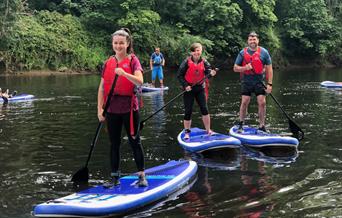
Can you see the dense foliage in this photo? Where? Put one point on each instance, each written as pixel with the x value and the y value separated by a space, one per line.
pixel 75 34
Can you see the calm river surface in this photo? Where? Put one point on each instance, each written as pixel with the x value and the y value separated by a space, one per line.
pixel 44 141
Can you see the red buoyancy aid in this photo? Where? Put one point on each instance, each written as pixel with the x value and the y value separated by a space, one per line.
pixel 123 85
pixel 195 72
pixel 255 60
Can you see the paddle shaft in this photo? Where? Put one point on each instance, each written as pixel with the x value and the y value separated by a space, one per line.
pixel 99 126
pixel 275 100
pixel 169 102
pixel 293 126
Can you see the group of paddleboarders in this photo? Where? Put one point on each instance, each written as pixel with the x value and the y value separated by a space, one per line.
pixel 253 63
pixel 122 72
pixel 6 95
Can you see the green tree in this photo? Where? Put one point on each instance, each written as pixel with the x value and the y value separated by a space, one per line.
pixel 51 40
pixel 217 21
pixel 308 29
pixel 260 17
pixel 9 10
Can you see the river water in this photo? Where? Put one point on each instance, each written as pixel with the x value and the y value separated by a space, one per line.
pixel 45 141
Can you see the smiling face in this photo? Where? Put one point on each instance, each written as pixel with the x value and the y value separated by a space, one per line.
pixel 253 42
pixel 120 44
pixel 196 53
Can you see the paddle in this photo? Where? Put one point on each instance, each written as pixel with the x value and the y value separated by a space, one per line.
pixel 294 128
pixel 82 175
pixel 141 125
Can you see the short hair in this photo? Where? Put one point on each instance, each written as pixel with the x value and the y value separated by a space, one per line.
pixel 253 34
pixel 194 46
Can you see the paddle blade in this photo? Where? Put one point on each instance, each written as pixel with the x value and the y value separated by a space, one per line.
pixel 296 130
pixel 81 175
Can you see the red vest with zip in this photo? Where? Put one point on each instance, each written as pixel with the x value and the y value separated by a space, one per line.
pixel 195 72
pixel 123 85
pixel 255 60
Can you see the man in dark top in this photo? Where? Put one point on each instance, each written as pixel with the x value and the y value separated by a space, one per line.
pixel 254 65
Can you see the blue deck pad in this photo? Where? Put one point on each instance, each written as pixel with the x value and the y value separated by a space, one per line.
pixel 205 137
pixel 254 131
pixel 256 138
pixel 128 186
pixel 155 176
pixel 200 141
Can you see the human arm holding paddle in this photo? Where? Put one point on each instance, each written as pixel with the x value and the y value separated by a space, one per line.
pixel 100 102
pixel 192 75
pixel 136 78
pixel 209 72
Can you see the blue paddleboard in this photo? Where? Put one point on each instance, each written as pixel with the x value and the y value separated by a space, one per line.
pixel 20 97
pixel 255 138
pixel 200 141
pixel 149 88
pixel 331 84
pixel 98 201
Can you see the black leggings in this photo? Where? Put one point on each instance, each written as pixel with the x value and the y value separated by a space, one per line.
pixel 114 123
pixel 197 92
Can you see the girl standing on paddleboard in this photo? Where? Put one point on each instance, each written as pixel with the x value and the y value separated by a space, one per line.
pixel 192 74
pixel 123 72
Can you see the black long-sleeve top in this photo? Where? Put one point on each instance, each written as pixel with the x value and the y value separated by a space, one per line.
pixel 184 67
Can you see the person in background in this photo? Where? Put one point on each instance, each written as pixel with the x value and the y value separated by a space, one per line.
pixel 6 95
pixel 254 65
pixel 157 61
pixel 191 75
pixel 123 110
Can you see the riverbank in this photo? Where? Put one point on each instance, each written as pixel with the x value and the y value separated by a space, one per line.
pixel 46 73
pixel 225 65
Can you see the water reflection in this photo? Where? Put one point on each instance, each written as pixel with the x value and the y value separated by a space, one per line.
pixel 272 154
pixel 219 159
pixel 257 185
pixel 198 199
pixel 156 102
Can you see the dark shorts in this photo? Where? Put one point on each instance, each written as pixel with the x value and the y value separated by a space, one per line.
pixel 247 88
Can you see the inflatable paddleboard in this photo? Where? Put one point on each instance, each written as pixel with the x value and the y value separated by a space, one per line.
pixel 255 138
pixel 331 84
pixel 99 201
pixel 20 97
pixel 150 88
pixel 200 141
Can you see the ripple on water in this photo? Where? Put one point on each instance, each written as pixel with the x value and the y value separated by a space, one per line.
pixel 319 194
